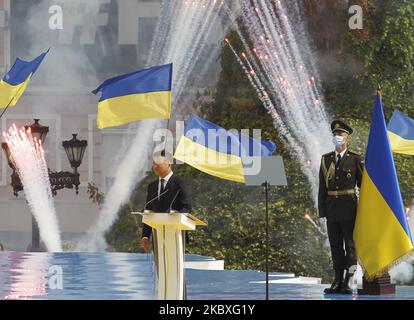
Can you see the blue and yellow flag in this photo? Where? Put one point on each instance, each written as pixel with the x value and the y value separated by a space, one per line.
pixel 401 133
pixel 382 235
pixel 144 94
pixel 218 152
pixel 15 81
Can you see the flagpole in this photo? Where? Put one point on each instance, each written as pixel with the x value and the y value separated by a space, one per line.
pixel 167 128
pixel 382 284
pixel 8 105
pixel 379 90
pixel 266 185
pixel 10 102
pixel 23 86
pixel 166 135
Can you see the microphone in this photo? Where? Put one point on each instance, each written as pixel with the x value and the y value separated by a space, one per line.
pixel 148 202
pixel 175 197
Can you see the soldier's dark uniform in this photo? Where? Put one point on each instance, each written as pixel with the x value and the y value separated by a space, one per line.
pixel 337 202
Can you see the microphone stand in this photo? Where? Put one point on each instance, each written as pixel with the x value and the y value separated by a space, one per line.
pixel 148 202
pixel 170 211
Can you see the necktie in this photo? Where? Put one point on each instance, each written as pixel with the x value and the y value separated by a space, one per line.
pixel 162 187
pixel 338 159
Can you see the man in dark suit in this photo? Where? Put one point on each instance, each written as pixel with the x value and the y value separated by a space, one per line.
pixel 169 191
pixel 340 172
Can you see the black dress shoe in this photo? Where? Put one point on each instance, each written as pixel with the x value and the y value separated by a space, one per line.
pixel 335 288
pixel 337 284
pixel 345 289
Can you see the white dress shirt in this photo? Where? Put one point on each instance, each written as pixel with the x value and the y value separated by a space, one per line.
pixel 336 155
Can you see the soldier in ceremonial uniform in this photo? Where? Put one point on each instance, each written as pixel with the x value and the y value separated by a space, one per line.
pixel 340 172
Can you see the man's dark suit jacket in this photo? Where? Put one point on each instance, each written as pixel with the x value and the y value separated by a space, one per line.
pixel 182 202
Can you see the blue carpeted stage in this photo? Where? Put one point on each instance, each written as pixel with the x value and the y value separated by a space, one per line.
pixel 131 276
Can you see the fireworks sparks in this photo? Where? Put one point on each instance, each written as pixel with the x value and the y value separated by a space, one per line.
pixel 267 56
pixel 308 217
pixel 21 141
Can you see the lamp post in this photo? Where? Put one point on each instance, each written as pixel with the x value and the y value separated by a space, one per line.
pixel 74 148
pixel 37 130
pixel 7 152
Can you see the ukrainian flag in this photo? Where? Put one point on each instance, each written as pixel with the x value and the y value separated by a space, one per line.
pixel 401 133
pixel 15 81
pixel 381 234
pixel 215 151
pixel 144 94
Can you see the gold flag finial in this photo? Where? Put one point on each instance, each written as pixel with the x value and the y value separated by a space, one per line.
pixel 379 89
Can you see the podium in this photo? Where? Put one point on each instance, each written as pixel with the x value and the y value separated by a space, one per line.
pixel 169 250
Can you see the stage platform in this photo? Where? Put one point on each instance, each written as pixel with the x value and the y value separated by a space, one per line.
pixel 117 276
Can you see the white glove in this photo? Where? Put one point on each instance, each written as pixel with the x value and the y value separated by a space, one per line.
pixel 322 222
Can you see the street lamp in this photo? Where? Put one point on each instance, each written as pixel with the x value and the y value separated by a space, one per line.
pixel 74 149
pixel 37 130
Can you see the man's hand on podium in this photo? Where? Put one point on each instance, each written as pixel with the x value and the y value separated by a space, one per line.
pixel 145 244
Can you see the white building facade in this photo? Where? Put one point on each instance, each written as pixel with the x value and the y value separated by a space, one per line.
pixel 96 42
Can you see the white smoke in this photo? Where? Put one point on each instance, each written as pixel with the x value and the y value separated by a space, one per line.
pixel 404 271
pixel 129 171
pixel 181 37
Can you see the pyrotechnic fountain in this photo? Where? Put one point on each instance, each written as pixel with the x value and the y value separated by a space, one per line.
pixel 180 37
pixel 28 157
pixel 279 64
